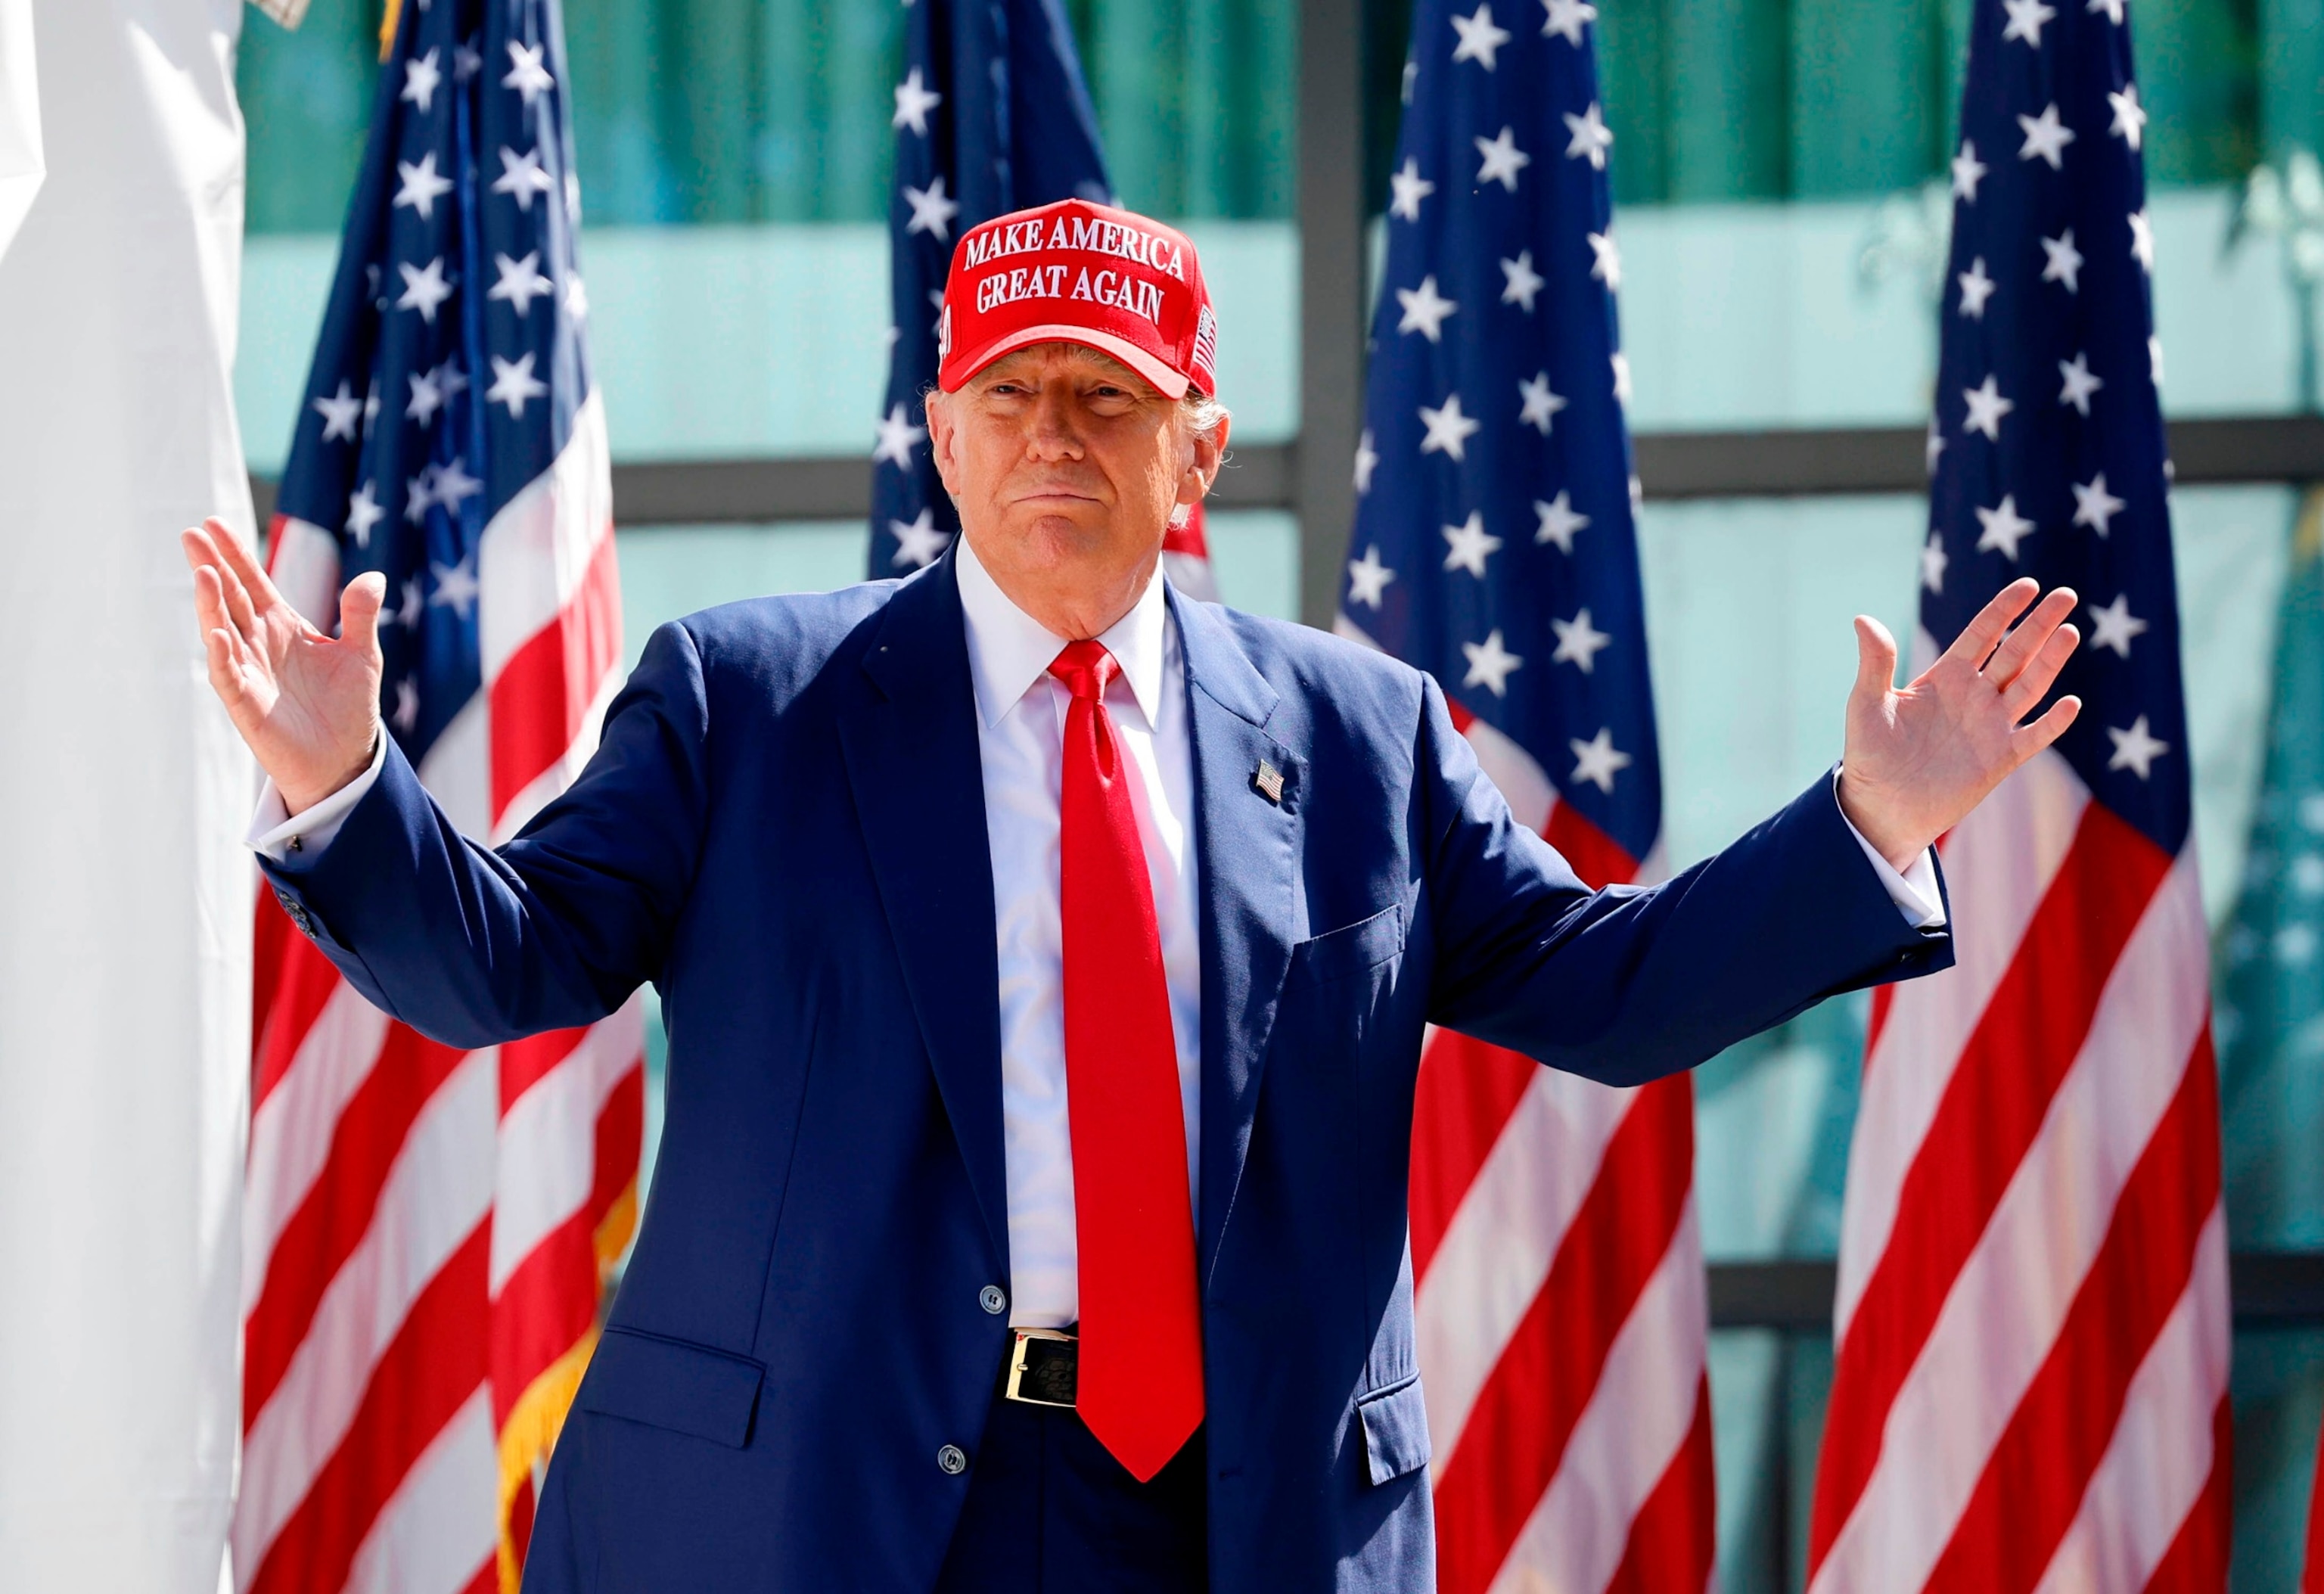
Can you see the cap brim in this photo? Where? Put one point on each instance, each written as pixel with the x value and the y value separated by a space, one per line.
pixel 1172 384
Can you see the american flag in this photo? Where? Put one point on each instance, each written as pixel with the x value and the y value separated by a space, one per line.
pixel 426 1230
pixel 1561 1294
pixel 2311 1572
pixel 1187 556
pixel 992 116
pixel 2030 1384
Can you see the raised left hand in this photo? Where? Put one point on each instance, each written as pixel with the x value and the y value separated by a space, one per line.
pixel 1919 759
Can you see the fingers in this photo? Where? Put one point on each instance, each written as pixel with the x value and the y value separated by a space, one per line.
pixel 235 608
pixel 202 556
pixel 1976 642
pixel 214 574
pixel 239 609
pixel 2030 635
pixel 195 544
pixel 242 563
pixel 359 608
pixel 215 614
pixel 201 547
pixel 209 599
pixel 2035 680
pixel 2028 739
pixel 230 678
pixel 1876 658
pixel 227 648
pixel 225 677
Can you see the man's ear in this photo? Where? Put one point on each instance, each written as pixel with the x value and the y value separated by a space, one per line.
pixel 941 436
pixel 1205 456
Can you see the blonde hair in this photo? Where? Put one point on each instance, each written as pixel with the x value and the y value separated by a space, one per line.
pixel 1205 414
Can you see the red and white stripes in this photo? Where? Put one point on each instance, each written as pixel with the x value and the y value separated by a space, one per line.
pixel 2311 1572
pixel 1187 556
pixel 425 1230
pixel 1561 1305
pixel 2031 1379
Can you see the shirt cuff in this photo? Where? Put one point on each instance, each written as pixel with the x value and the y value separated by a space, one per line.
pixel 1914 892
pixel 275 833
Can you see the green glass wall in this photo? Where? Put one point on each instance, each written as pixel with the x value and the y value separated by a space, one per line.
pixel 739 111
pixel 1778 99
pixel 307 99
pixel 722 111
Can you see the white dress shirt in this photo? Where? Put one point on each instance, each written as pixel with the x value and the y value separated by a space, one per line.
pixel 1020 711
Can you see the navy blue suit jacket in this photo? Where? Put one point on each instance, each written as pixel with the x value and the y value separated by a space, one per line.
pixel 784 831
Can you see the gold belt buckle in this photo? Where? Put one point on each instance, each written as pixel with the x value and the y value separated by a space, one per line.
pixel 1039 1390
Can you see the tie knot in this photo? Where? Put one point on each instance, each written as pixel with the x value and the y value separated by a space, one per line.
pixel 1085 668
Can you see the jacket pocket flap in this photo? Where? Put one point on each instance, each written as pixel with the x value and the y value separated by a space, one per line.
pixel 1395 1430
pixel 1351 949
pixel 670 1383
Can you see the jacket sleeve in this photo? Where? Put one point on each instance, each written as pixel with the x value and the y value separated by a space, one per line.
pixel 1628 983
pixel 473 946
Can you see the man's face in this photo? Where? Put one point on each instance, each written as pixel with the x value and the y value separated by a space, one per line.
pixel 1067 467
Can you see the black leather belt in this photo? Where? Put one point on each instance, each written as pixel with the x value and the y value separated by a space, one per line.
pixel 1044 1368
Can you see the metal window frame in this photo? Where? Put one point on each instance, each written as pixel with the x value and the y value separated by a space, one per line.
pixel 2269 1289
pixel 1298 478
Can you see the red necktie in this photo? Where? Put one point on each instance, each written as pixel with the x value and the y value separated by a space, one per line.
pixel 1140 1388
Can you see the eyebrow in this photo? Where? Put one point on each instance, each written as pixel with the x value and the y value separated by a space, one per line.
pixel 1116 380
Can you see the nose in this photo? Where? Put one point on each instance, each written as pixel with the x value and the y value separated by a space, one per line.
pixel 1053 432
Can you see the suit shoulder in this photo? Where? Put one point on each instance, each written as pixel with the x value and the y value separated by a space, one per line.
pixel 1331 696
pixel 789 622
pixel 1300 660
pixel 781 641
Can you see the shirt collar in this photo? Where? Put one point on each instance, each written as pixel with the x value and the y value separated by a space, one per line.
pixel 1009 649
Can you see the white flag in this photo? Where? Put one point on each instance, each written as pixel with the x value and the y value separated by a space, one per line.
pixel 124 939
pixel 21 166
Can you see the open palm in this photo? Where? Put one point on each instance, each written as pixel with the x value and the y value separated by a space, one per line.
pixel 1918 759
pixel 307 703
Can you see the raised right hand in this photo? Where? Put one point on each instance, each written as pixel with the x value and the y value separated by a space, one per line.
pixel 308 704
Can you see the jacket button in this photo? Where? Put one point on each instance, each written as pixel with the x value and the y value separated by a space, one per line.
pixel 993 1299
pixel 953 1459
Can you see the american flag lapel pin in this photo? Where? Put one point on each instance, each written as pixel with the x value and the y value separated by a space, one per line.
pixel 1269 781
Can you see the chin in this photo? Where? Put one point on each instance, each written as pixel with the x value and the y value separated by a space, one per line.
pixel 1058 540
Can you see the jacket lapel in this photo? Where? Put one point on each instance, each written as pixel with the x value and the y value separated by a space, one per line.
pixel 912 760
pixel 1249 850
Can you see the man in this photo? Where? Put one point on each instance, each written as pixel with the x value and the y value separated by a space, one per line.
pixel 1045 958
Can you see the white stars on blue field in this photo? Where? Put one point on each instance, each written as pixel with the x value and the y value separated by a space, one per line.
pixel 962 158
pixel 408 474
pixel 1494 542
pixel 2046 456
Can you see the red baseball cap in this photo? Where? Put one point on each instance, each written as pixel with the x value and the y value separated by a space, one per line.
pixel 1078 273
